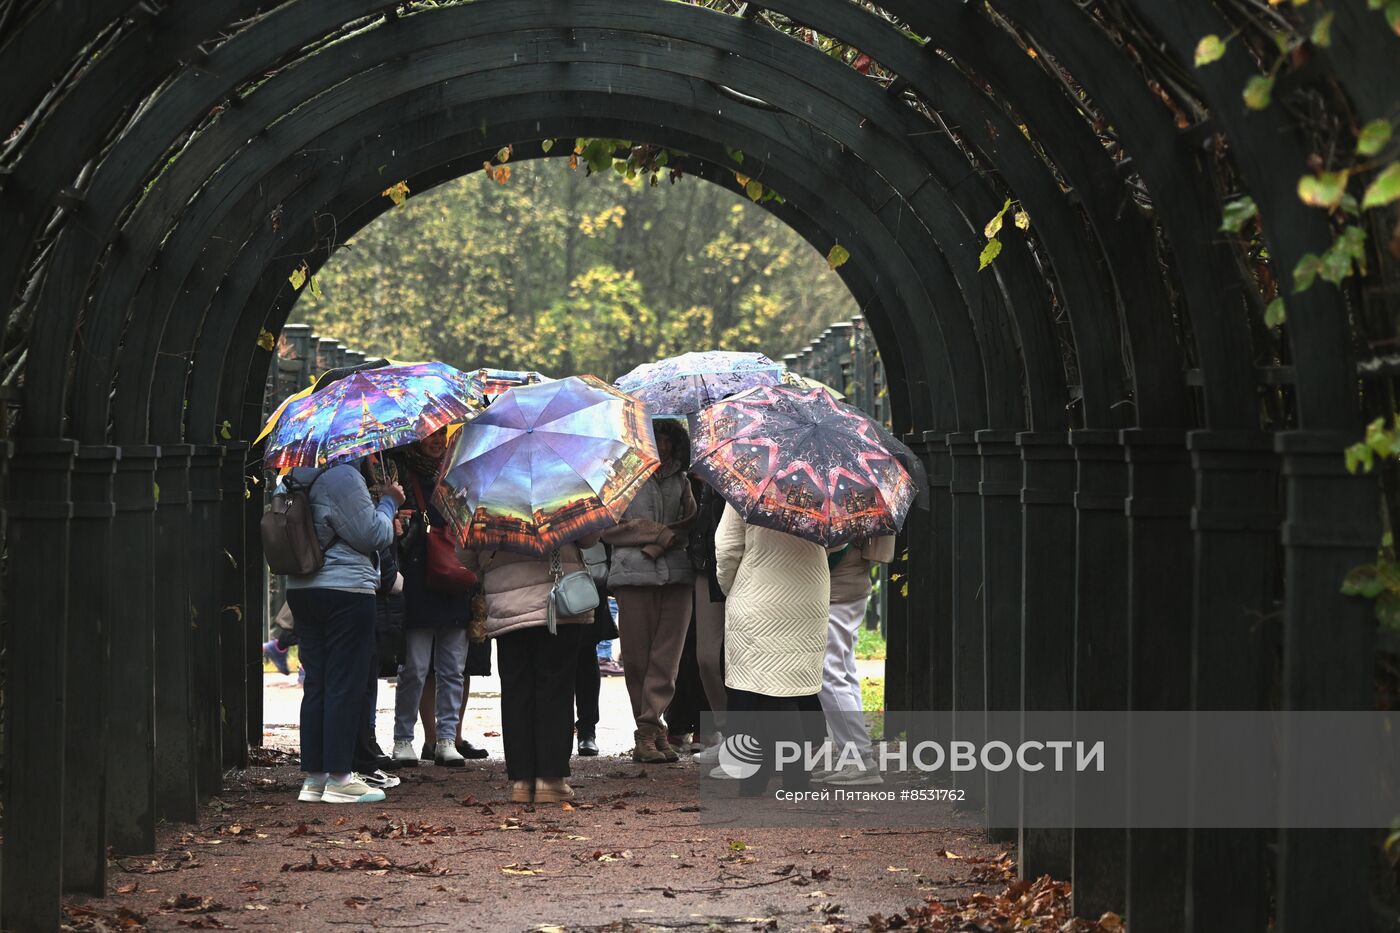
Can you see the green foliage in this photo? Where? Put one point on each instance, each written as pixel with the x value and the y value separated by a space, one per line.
pixel 1211 48
pixel 1237 213
pixel 1373 137
pixel 1259 92
pixel 1384 189
pixel 565 273
pixel 992 249
pixel 870 644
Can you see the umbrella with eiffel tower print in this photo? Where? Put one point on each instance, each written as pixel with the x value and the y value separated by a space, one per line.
pixel 369 411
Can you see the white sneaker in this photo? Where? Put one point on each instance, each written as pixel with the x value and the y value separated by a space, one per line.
pixel 719 774
pixel 353 791
pixel 311 790
pixel 445 754
pixel 824 774
pixel 380 780
pixel 710 756
pixel 405 754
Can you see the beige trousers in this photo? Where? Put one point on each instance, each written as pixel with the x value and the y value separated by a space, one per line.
pixel 652 621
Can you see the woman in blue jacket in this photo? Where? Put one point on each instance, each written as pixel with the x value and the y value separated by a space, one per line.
pixel 334 610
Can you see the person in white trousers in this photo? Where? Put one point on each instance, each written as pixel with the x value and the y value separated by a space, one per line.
pixel 840 693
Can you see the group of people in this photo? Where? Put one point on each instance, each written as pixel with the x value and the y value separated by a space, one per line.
pixel 770 620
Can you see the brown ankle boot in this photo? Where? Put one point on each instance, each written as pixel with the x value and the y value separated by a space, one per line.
pixel 644 748
pixel 522 791
pixel 663 745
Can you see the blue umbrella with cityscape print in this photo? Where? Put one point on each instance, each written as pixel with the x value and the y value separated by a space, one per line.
pixel 369 411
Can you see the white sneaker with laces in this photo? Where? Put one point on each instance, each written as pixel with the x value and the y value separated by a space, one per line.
pixel 353 791
pixel 381 780
pixel 311 790
pixel 405 754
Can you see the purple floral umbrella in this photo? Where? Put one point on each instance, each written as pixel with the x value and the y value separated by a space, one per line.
pixel 801 462
pixel 682 385
pixel 547 463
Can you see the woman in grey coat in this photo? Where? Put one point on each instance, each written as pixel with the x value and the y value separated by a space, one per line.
pixel 651 577
pixel 334 610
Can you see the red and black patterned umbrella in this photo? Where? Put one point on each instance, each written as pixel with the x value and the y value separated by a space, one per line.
pixel 799 461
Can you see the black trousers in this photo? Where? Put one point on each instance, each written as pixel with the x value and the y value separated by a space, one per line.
pixel 771 720
pixel 537 699
pixel 683 715
pixel 336 631
pixel 367 750
pixel 588 683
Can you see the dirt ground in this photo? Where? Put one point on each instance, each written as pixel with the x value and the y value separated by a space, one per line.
pixel 448 852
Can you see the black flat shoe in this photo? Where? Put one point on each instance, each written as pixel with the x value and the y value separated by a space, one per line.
pixel 587 746
pixel 468 750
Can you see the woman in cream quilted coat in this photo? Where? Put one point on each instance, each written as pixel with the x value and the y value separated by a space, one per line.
pixel 777 589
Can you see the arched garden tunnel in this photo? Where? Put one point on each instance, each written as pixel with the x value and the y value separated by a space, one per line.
pixel 1130 467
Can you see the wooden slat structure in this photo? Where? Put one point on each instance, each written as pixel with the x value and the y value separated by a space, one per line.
pixel 1122 487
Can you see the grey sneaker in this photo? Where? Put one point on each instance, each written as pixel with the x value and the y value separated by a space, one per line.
pixel 311 790
pixel 404 753
pixel 354 791
pixel 445 754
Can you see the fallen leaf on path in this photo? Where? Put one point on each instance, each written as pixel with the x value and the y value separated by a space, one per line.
pixel 358 902
pixel 125 888
pixel 515 868
pixel 191 903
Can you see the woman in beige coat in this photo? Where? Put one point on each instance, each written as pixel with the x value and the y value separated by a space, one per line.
pixel 777 588
pixel 536 667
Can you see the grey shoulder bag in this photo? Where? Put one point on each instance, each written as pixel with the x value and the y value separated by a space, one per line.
pixel 573 594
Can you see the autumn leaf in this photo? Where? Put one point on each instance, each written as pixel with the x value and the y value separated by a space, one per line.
pixel 546 145
pixel 1324 189
pixel 1384 189
pixel 1274 314
pixel 516 868
pixel 1022 220
pixel 837 256
pixel 397 193
pixel 754 190
pixel 1373 137
pixel 989 252
pixel 1211 48
pixel 993 226
pixel 314 286
pixel 298 276
pixel 1258 92
pixel 267 340
pixel 503 154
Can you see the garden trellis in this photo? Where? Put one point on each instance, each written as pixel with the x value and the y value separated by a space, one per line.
pixel 174 174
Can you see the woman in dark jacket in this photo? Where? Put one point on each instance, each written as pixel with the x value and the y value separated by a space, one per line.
pixel 435 623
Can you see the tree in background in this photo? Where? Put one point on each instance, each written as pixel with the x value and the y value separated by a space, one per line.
pixel 544 268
